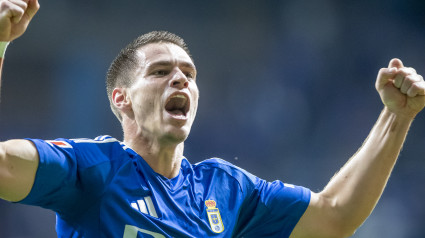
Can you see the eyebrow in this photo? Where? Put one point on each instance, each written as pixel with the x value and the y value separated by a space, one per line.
pixel 184 64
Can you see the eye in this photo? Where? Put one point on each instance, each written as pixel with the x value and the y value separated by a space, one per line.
pixel 160 72
pixel 189 75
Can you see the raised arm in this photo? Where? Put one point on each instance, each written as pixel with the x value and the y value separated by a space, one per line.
pixel 18 158
pixel 15 15
pixel 353 192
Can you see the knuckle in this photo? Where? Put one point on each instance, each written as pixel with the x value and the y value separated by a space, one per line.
pixel 411 78
pixel 382 71
pixel 4 5
pixel 404 71
pixel 414 86
pixel 412 70
pixel 415 78
pixel 408 71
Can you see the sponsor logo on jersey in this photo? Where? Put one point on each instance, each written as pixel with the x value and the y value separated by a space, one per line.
pixel 62 144
pixel 214 216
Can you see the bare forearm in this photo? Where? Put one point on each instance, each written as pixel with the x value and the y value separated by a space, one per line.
pixel 357 187
pixel 3 46
pixel 353 192
pixel 1 70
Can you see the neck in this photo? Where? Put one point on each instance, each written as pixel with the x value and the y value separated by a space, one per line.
pixel 163 158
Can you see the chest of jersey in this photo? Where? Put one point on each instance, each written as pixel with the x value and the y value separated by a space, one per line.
pixel 141 203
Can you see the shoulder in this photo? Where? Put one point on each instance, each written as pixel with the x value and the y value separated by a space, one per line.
pixel 98 150
pixel 78 143
pixel 217 163
pixel 87 152
pixel 96 142
pixel 81 168
pixel 222 167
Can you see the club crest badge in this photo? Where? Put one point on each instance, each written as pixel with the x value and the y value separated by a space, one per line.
pixel 214 217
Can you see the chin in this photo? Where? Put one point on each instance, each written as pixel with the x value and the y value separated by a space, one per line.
pixel 176 135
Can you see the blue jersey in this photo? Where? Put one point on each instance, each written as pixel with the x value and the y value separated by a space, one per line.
pixel 102 188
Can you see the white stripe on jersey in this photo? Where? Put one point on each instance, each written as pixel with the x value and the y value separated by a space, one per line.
pixel 108 140
pixel 151 207
pixel 142 206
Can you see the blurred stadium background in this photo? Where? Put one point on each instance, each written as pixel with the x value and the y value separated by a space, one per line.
pixel 287 88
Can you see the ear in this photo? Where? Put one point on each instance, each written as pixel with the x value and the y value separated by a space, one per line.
pixel 121 99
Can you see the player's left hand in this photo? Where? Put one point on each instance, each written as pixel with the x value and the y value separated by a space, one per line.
pixel 401 89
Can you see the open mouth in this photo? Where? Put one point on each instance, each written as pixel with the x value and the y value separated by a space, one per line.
pixel 177 104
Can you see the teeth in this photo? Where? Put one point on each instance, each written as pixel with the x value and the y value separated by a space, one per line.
pixel 179 96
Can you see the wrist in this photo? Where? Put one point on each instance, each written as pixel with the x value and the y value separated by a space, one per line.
pixel 399 116
pixel 3 46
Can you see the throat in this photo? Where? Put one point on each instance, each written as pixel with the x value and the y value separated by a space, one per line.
pixel 167 169
pixel 165 159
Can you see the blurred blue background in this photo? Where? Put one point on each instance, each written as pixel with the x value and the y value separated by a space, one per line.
pixel 287 88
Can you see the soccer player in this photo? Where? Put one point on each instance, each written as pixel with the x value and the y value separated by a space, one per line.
pixel 145 187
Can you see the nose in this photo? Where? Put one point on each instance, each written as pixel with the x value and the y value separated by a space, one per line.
pixel 179 80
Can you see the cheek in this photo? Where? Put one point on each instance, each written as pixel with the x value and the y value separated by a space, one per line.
pixel 195 104
pixel 146 102
pixel 193 88
pixel 196 98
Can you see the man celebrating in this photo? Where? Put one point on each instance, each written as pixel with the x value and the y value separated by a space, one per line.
pixel 144 187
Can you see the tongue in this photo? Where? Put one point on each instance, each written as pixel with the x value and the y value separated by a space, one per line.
pixel 176 112
pixel 176 106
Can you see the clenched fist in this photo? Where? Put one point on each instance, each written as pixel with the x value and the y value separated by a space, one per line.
pixel 401 89
pixel 15 15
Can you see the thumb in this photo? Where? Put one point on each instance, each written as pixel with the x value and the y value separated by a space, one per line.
pixel 395 63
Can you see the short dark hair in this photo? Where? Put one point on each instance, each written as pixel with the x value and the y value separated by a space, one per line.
pixel 126 61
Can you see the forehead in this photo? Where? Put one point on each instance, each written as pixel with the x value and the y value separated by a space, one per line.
pixel 156 52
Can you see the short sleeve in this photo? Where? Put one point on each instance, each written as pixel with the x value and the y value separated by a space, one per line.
pixel 272 209
pixel 67 178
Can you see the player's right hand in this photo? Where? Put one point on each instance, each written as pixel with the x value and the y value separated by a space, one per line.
pixel 15 15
